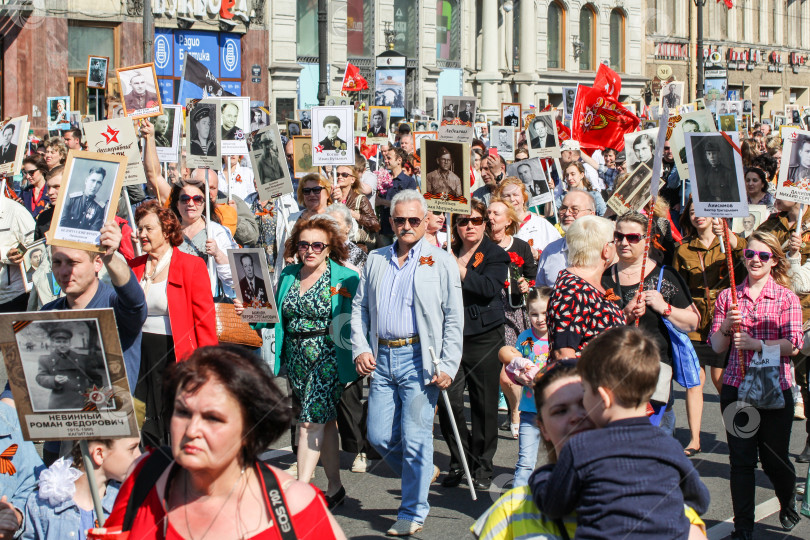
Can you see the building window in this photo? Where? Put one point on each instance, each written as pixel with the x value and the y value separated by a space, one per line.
pixel 617 40
pixel 405 27
pixel 84 41
pixel 586 36
pixel 556 32
pixel 360 28
pixel 448 35
pixel 306 31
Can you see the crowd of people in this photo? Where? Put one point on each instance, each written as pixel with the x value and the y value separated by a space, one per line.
pixel 531 311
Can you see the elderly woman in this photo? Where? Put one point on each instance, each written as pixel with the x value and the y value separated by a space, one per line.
pixel 756 188
pixel 342 215
pixel 767 313
pixel 574 177
pixel 314 195
pixel 484 267
pixel 181 314
pixel 433 229
pixel 224 409
pixel 187 201
pixel 533 229
pixel 580 308
pixel 55 153
pixel 348 192
pixel 35 193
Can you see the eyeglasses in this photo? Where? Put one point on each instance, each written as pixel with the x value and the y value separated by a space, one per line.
pixel 345 175
pixel 464 221
pixel 27 172
pixel 313 190
pixel 197 199
pixel 317 247
pixel 632 238
pixel 574 210
pixel 763 256
pixel 413 221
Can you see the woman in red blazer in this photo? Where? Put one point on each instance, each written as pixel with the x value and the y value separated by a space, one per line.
pixel 181 314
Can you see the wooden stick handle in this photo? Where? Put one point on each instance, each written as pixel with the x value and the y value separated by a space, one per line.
pixel 650 218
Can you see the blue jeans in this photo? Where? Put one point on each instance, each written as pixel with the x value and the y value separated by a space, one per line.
pixel 400 424
pixel 528 445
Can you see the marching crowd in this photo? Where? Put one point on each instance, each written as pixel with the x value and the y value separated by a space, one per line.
pixel 529 310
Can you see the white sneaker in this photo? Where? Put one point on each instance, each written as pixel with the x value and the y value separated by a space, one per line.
pixel 361 463
pixel 798 411
pixel 403 527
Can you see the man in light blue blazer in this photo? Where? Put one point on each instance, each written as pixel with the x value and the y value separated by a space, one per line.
pixel 408 301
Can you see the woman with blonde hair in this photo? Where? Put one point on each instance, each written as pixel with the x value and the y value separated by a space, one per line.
pixel 347 191
pixel 533 229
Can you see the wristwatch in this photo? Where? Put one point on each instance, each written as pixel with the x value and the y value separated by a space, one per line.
pixel 668 311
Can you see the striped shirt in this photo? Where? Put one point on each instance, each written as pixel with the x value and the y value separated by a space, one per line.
pixel 396 312
pixel 775 314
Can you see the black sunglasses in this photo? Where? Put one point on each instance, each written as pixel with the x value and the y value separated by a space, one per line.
pixel 464 221
pixel 345 175
pixel 632 238
pixel 317 247
pixel 763 256
pixel 198 199
pixel 313 190
pixel 413 221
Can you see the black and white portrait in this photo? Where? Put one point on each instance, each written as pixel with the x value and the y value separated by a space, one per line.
pixel 734 107
pixel 204 148
pixel 639 147
pixel 97 71
pixel 672 95
pixel 633 192
pixel 700 121
pixel 746 106
pixel 305 118
pixel 294 128
pixel 446 175
pixel 717 177
pixel 75 120
pixel 458 110
pixel 64 364
pixel 167 133
pixel 12 142
pixel 530 172
pixel 378 118
pixel 270 164
pixel 253 285
pixel 333 135
pixel 259 118
pixel 421 125
pixel 503 138
pixel 234 114
pixel 140 90
pixel 481 117
pixel 779 120
pixel 510 114
pixel 569 98
pixel 794 174
pixel 331 101
pixel 541 134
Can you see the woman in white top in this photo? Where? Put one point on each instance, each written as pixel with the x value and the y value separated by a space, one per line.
pixel 534 230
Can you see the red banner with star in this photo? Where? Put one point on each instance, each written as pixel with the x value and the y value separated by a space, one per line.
pixel 599 120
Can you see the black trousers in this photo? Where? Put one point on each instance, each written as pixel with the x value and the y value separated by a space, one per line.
pixel 157 354
pixel 769 437
pixel 352 414
pixel 480 373
pixel 18 303
pixel 801 363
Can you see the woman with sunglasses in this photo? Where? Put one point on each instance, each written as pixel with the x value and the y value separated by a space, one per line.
pixel 484 268
pixel 347 192
pixel 702 264
pixel 311 295
pixel 433 229
pixel 574 178
pixel 767 313
pixel 533 229
pixel 665 295
pixel 187 201
pixel 35 193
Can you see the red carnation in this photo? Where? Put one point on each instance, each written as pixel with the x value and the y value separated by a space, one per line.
pixel 515 258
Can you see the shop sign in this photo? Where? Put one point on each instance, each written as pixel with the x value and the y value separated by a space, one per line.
pixel 674 51
pixel 204 9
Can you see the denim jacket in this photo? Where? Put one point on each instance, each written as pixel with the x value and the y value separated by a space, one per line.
pixel 27 463
pixel 62 522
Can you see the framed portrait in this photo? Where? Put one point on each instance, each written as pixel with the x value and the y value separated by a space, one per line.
pixel 503 138
pixel 727 122
pixel 530 172
pixel 649 124
pixel 337 101
pixel 541 134
pixel 332 133
pixel 793 114
pixel 671 95
pixel 252 284
pixel 75 120
pixel 446 175
pixel 203 145
pixel 302 157
pixel 33 254
pixel 139 88
pixel 716 171
pixel 360 123
pixel 167 133
pixel 700 121
pixel 481 117
pixel 569 99
pixel 59 113
pixel 458 110
pixel 639 147
pixel 13 137
pixel 66 370
pixel 234 115
pixel 510 114
pixel 378 121
pixel 482 130
pixel 744 226
pixel 779 120
pixel 747 106
pixel 294 128
pixel 117 136
pixel 794 173
pixel 419 135
pixel 633 193
pixel 734 107
pixel 305 116
pixel 270 164
pixel 97 71
pixel 259 118
pixel 91 185
pixel 390 90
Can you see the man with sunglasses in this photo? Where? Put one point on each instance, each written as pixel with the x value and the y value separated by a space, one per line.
pixel 554 259
pixel 396 158
pixel 395 324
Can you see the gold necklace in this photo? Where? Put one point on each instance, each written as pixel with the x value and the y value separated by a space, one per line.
pixel 185 505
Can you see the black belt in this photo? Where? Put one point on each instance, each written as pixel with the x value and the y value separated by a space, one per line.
pixel 314 333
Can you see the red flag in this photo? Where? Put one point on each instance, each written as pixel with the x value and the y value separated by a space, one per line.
pixel 729 3
pixel 353 81
pixel 608 81
pixel 563 133
pixel 599 120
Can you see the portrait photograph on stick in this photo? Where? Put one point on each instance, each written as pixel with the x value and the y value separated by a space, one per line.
pixel 58 113
pixel 203 146
pixel 139 88
pixel 13 136
pixel 541 134
pixel 639 147
pixel 378 118
pixel 716 171
pixel 269 164
pixel 530 172
pixel 259 118
pixel 744 226
pixel 332 135
pixel 253 285
pixel 97 72
pixel 503 138
pixel 234 114
pixel 302 157
pixel 117 136
pixel 510 114
pixel 569 98
pixel 167 133
pixel 700 121
pixel 633 193
pixel 727 122
pixel 446 180
pixel 66 370
pixel 294 128
pixel 672 95
pixel 91 186
pixel 305 117
pixel 794 174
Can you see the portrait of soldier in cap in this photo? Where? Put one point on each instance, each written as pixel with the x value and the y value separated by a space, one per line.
pixel 331 125
pixel 203 139
pixel 716 181
pixel 67 373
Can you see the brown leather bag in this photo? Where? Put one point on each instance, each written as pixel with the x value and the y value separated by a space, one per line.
pixel 230 326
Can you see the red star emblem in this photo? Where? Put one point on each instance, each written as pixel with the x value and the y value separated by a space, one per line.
pixel 319 148
pixel 111 135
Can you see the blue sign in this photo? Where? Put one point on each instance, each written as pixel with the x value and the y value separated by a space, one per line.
pixel 230 65
pixel 201 45
pixel 163 53
pixel 166 87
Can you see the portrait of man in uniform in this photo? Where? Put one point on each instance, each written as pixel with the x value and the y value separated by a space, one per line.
pixel 502 142
pixel 97 72
pixel 377 126
pixel 162 134
pixel 716 179
pixel 252 286
pixel 82 209
pixel 440 179
pixel 510 113
pixel 269 166
pixel 8 150
pixel 142 93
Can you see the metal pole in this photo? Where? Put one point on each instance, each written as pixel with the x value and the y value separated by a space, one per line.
pixel 700 83
pixel 91 479
pixel 323 51
pixel 148 32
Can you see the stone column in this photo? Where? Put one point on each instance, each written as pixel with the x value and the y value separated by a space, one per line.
pixel 489 77
pixel 527 76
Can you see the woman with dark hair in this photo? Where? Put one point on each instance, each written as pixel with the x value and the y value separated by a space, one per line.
pixel 35 193
pixel 574 178
pixel 181 315
pixel 767 314
pixel 484 268
pixel 223 409
pixel 187 201
pixel 756 187
pixel 347 191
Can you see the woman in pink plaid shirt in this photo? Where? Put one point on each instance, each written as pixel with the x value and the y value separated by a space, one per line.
pixel 769 313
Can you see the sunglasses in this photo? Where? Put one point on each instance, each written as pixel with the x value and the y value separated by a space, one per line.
pixel 198 199
pixel 317 247
pixel 632 238
pixel 763 256
pixel 29 173
pixel 477 221
pixel 312 190
pixel 345 175
pixel 413 221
